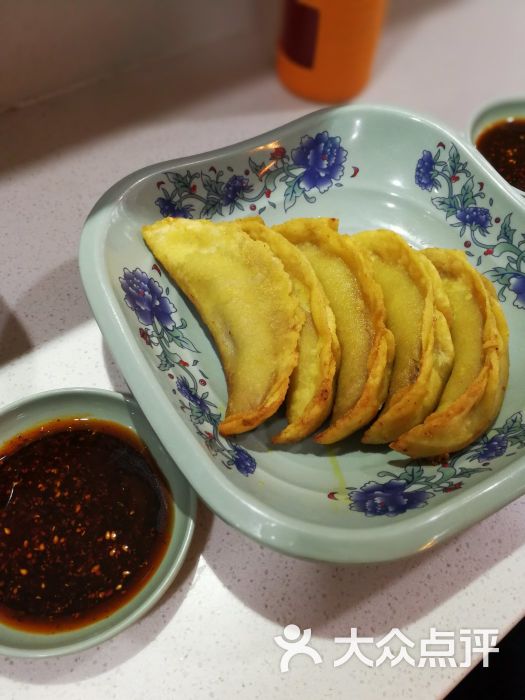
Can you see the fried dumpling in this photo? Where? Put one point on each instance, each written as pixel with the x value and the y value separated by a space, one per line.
pixel 474 392
pixel 311 391
pixel 416 310
pixel 367 346
pixel 244 297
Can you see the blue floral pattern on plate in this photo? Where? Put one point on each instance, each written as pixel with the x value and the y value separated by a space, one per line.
pixel 415 484
pixel 488 234
pixel 145 296
pixel 316 164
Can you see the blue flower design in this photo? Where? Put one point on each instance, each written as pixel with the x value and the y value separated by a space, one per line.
pixel 236 186
pixel 242 460
pixel 322 158
pixel 517 285
pixel 495 447
pixel 459 205
pixel 425 171
pixel 169 208
pixel 183 387
pixel 390 498
pixel 144 296
pixel 238 457
pixel 191 395
pixel 474 216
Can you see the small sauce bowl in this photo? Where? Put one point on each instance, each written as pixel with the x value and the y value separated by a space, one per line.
pixel 94 405
pixel 501 111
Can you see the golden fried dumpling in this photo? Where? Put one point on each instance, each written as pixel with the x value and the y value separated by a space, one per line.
pixel 311 391
pixel 416 310
pixel 474 392
pixel 367 346
pixel 244 297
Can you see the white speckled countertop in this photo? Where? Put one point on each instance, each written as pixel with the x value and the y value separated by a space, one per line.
pixel 212 636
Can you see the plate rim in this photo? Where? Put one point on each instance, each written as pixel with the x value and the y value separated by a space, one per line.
pixel 233 505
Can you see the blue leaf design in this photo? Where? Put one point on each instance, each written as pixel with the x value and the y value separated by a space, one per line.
pixel 292 193
pixel 453 160
pixel 513 424
pixel 506 232
pixel 466 194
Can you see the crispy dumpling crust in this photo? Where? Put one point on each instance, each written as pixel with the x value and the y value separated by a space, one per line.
pixel 244 297
pixel 424 350
pixel 359 312
pixel 311 391
pixel 465 413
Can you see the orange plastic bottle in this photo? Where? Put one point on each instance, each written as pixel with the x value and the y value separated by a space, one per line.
pixel 327 47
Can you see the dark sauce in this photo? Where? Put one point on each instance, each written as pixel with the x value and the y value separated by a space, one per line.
pixel 503 145
pixel 85 519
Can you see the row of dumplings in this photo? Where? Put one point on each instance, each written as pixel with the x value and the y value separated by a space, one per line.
pixel 353 332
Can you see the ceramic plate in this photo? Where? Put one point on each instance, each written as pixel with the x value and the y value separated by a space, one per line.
pixel 371 167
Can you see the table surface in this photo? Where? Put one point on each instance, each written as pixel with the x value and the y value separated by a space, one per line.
pixel 212 636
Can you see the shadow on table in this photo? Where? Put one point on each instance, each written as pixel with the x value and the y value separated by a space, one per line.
pixel 14 338
pixel 113 653
pixel 54 304
pixel 374 598
pixel 115 376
